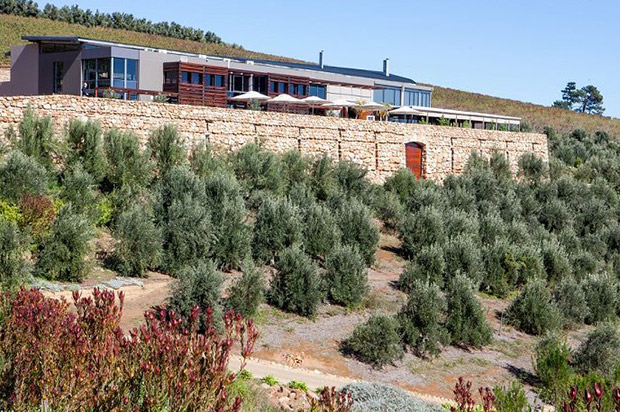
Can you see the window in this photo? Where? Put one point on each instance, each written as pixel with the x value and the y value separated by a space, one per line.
pixel 209 79
pixel 184 77
pixel 58 75
pixel 273 87
pixel 219 81
pixel 170 77
pixel 118 75
pixel 389 95
pixel 281 88
pixel 196 78
pixel 301 90
pixel 292 89
pixel 317 90
pixel 89 68
pixel 260 84
pixel 103 72
pixel 131 74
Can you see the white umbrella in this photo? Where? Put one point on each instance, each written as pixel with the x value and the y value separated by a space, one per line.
pixel 245 97
pixel 340 103
pixel 314 101
pixel 372 106
pixel 285 98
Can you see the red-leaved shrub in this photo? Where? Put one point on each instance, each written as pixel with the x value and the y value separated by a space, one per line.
pixel 57 359
pixel 38 212
pixel 331 400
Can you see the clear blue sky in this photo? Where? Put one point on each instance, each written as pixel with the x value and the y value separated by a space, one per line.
pixel 526 50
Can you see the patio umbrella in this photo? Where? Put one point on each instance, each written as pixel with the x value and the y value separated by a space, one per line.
pixel 314 101
pixel 284 99
pixel 340 103
pixel 406 111
pixel 245 97
pixel 373 106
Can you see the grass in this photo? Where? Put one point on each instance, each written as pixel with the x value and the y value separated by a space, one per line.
pixel 14 27
pixel 538 116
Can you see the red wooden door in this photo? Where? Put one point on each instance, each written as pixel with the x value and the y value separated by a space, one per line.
pixel 413 158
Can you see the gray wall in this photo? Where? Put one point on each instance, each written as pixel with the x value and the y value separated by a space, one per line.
pixel 72 78
pixel 151 70
pixel 24 71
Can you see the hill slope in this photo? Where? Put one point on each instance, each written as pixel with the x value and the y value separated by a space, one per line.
pixel 13 27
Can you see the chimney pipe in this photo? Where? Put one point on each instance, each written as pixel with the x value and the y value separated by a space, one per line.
pixel 386 67
pixel 321 59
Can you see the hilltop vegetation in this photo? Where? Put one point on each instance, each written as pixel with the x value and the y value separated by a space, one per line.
pixel 14 27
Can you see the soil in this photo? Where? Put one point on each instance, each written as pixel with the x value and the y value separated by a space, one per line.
pixel 314 344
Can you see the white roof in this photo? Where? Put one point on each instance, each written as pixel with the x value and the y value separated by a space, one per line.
pixel 464 115
pixel 250 96
pixel 284 98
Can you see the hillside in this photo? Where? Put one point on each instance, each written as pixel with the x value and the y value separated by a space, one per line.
pixel 13 27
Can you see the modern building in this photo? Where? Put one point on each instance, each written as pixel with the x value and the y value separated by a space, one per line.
pixel 76 65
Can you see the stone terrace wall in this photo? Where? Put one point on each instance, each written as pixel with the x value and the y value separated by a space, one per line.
pixel 378 146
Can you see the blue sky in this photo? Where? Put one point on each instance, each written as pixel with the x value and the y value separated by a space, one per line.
pixel 525 50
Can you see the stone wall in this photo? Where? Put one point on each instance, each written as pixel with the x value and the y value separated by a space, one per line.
pixel 378 146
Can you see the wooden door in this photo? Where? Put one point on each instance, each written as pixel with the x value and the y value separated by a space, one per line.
pixel 413 158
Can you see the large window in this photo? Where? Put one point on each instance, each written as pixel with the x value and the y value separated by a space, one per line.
pixel 317 90
pixel 170 77
pixel 103 73
pixel 412 97
pixel 389 95
pixel 131 74
pixel 89 68
pixel 110 72
pixel 119 73
pixel 417 98
pixel 58 75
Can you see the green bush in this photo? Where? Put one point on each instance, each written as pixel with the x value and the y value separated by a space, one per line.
pixel 551 365
pixel 14 245
pixel 532 168
pixel 555 261
pixel 299 385
pixel 245 295
pixel 228 215
pixel 278 226
pixel 420 319
pixel 571 301
pixel 36 139
pixel 600 353
pixel 10 212
pixel 462 254
pixel 322 180
pixel 465 321
pixel 427 266
pixel 346 277
pixel 203 161
pixel 166 148
pixel 295 169
pixel 139 242
pixel 533 311
pixel 197 285
pixel 269 380
pixel 423 228
pixel 390 210
pixel 296 286
pixel 502 268
pixel 62 251
pixel 510 399
pixel 402 183
pixel 86 147
pixel 78 189
pixel 126 163
pixel 258 170
pixel 321 232
pixel 351 180
pixel 376 342
pixel 601 292
pixel 358 229
pixel 21 174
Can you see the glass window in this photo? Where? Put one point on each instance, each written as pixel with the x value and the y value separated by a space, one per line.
pixel 302 90
pixel 170 77
pixel 219 81
pixel 89 68
pixel 209 79
pixel 273 87
pixel 292 89
pixel 317 90
pixel 196 78
pixel 184 77
pixel 238 84
pixel 132 74
pixel 282 87
pixel 103 72
pixel 58 75
pixel 118 74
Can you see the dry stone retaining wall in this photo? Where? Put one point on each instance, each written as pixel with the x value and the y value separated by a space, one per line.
pixel 378 146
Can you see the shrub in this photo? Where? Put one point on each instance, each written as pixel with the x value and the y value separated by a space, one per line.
pixel 278 226
pixel 502 268
pixel 36 138
pixel 358 229
pixel 571 301
pixel 62 251
pixel 14 267
pixel 350 179
pixel 376 342
pixel 139 242
pixel 531 167
pixel 84 358
pixel 423 228
pixel 78 188
pixel 346 277
pixel 551 364
pixel 228 216
pixel 322 180
pixel 321 232
pixel 511 398
pixel 258 170
pixel 37 213
pixel 555 261
pixel 420 319
pixel 296 285
pixel 245 295
pixel 462 254
pixel 298 385
pixel 295 169
pixel 599 352
pixel 371 397
pixel 21 174
pixel 166 148
pixel 402 183
pixel 86 147
pixel 203 161
pixel 601 294
pixel 200 286
pixel 390 210
pixel 269 380
pixel 533 310
pixel 126 163
pixel 466 321
pixel 427 266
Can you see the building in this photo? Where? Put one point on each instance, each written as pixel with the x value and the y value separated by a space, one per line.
pixel 75 65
